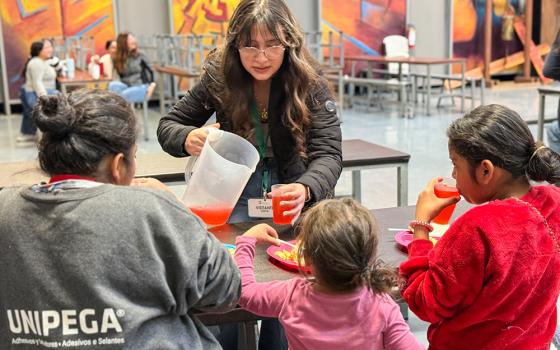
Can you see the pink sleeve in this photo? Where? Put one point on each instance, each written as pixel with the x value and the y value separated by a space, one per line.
pixel 264 299
pixel 397 335
pixel 442 280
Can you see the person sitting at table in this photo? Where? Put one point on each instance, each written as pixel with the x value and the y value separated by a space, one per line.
pixel 40 79
pixel 107 59
pixel 134 70
pixel 551 69
pixel 338 241
pixel 86 258
pixel 492 280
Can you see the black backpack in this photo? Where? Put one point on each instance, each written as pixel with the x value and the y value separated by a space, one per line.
pixel 146 74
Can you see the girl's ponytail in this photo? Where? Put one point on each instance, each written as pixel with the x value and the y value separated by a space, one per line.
pixel 380 278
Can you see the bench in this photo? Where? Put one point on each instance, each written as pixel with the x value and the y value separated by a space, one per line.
pixel 357 155
pixel 543 92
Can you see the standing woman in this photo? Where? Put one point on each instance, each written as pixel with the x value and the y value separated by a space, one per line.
pixel 264 85
pixel 40 79
pixel 129 64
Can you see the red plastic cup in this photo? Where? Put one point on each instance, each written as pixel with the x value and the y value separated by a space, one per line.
pixel 278 195
pixel 445 189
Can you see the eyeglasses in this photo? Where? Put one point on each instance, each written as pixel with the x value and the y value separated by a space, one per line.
pixel 271 52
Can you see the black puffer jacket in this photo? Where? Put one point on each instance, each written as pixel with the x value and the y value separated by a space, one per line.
pixel 320 171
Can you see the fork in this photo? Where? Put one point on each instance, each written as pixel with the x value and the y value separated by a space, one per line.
pixel 285 242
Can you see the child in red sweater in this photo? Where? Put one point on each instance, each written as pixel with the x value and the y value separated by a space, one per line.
pixel 493 279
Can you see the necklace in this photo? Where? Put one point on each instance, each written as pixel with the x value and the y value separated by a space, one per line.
pixel 264 115
pixel 263 108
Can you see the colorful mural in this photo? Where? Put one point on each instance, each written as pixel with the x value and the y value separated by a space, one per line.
pixel 364 22
pixel 202 16
pixel 25 21
pixel 468 29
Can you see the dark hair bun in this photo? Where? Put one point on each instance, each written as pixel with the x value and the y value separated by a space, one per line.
pixel 54 115
pixel 544 165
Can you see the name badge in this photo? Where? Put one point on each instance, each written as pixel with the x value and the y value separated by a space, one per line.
pixel 260 208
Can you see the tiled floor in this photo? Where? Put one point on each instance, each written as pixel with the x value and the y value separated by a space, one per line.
pixel 422 136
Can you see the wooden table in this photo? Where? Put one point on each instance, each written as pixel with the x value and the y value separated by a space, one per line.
pixel 81 78
pixel 173 72
pixel 357 155
pixel 543 92
pixel 426 61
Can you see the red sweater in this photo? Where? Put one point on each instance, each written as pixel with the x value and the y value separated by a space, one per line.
pixel 492 281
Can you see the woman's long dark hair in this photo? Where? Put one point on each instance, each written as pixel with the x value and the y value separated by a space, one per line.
pixel 122 52
pixel 298 73
pixel 36 48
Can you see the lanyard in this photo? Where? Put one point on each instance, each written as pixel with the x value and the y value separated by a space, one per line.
pixel 261 143
pixel 65 182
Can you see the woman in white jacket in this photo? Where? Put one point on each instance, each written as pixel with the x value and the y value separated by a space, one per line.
pixel 40 79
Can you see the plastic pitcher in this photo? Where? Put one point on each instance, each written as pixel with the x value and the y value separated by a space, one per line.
pixel 217 177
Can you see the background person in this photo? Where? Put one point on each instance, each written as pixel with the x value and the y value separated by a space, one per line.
pixel 107 59
pixel 93 257
pixel 40 80
pixel 129 64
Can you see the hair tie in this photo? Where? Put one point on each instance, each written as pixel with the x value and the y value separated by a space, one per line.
pixel 535 152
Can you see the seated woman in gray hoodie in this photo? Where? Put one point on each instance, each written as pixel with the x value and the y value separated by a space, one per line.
pixel 87 260
pixel 134 70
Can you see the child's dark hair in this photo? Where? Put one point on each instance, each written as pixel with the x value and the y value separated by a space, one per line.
pixel 497 133
pixel 339 238
pixel 81 128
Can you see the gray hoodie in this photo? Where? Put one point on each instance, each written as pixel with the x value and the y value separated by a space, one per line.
pixel 109 267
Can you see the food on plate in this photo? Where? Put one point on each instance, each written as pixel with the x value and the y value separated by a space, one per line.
pixel 290 255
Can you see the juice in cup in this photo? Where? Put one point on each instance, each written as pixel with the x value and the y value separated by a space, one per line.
pixel 445 189
pixel 277 210
pixel 213 215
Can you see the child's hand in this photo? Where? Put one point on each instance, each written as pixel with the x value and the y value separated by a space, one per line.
pixel 429 205
pixel 263 233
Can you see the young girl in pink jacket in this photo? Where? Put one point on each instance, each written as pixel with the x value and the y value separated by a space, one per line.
pixel 346 305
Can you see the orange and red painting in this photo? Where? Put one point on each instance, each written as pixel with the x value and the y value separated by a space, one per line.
pixel 364 22
pixel 468 29
pixel 202 16
pixel 26 21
